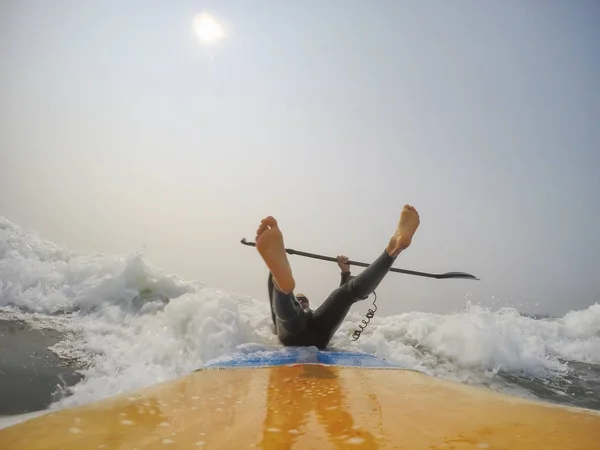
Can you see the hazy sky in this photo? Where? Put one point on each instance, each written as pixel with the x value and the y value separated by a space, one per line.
pixel 117 132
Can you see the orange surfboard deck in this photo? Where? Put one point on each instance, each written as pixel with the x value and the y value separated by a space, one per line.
pixel 309 406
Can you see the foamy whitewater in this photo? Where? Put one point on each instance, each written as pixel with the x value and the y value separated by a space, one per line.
pixel 132 325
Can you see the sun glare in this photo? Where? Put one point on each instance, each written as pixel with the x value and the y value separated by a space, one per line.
pixel 207 28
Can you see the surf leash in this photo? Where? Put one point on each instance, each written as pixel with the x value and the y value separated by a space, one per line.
pixel 365 322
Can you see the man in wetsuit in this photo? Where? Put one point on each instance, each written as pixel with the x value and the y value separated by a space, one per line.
pixel 342 262
pixel 296 323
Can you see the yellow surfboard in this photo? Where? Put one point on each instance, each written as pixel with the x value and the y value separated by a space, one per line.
pixel 309 406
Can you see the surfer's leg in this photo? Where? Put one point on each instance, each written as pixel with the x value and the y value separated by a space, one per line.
pixel 290 318
pixel 366 282
pixel 285 306
pixel 271 287
pixel 329 316
pixel 287 312
pixel 269 243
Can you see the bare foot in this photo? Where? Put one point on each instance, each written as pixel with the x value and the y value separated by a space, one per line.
pixel 408 224
pixel 269 243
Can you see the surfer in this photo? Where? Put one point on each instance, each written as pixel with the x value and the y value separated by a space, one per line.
pixel 296 324
pixel 342 262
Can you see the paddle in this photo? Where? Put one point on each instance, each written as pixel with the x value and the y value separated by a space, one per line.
pixel 438 276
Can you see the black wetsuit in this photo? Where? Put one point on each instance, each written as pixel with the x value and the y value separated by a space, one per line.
pixel 298 327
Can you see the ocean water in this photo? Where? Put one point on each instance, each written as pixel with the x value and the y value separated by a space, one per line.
pixel 125 324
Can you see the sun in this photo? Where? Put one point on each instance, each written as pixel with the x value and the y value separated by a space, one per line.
pixel 207 28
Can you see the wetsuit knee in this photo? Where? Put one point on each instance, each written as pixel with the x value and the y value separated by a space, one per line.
pixel 367 281
pixel 356 293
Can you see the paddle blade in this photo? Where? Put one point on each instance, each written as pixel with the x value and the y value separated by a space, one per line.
pixel 461 275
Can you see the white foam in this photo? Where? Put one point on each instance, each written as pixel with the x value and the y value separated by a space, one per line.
pixel 37 276
pixel 128 351
pixel 474 345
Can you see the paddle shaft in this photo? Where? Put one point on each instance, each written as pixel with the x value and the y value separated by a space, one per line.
pixel 438 276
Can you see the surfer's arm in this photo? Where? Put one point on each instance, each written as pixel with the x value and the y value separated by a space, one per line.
pixel 345 277
pixel 342 262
